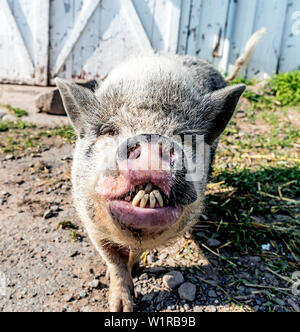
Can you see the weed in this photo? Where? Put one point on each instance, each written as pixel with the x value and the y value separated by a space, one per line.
pixel 286 88
pixel 18 112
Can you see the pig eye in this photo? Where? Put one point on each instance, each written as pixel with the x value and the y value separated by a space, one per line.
pixel 107 131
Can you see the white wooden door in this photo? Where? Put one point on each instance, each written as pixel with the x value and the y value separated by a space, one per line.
pixel 90 37
pixel 24 27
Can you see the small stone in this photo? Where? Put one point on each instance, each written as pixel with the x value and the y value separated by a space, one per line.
pixel 50 103
pixel 187 291
pixel 94 284
pixel 241 289
pixel 157 270
pixel 75 254
pixel 213 243
pixel 10 157
pixel 68 298
pixel 144 276
pixel 186 307
pixel 210 308
pixel 254 260
pixel 198 309
pixel 173 279
pixel 82 294
pixel 163 256
pixel 148 298
pixel 5 194
pixel 151 259
pixel 280 302
pixel 50 214
pixel 212 294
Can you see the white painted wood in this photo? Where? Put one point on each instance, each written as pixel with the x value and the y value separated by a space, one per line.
pixel 17 37
pixel 207 29
pixel 184 26
pixel 194 30
pixel 41 44
pixel 81 23
pixel 228 35
pixel 24 30
pixel 173 11
pixel 290 48
pixel 136 25
pixel 90 37
pixel 269 14
pixel 243 30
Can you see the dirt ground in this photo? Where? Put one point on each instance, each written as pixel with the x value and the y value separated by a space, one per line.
pixel 47 262
pixel 50 265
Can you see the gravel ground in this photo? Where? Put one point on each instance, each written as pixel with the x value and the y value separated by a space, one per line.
pixel 49 264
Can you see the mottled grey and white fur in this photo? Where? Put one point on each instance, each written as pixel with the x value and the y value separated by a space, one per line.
pixel 163 95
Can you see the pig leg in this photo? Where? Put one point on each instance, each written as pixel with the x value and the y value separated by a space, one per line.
pixel 119 261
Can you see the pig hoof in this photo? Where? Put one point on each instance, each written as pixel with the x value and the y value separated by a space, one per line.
pixel 121 301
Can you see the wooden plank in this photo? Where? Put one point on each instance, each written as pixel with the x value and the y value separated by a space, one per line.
pixel 244 25
pixel 290 49
pixel 173 10
pixel 186 7
pixel 41 41
pixel 207 29
pixel 62 21
pixel 23 53
pixel 136 26
pixel 228 35
pixel 269 14
pixel 85 48
pixel 166 20
pixel 145 10
pixel 80 25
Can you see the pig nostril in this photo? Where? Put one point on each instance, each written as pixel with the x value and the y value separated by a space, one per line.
pixel 134 152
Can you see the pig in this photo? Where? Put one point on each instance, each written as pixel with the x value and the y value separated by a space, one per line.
pixel 144 105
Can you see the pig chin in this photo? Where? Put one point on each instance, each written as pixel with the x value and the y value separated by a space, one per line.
pixel 142 204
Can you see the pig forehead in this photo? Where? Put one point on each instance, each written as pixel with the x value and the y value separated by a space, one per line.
pixel 131 120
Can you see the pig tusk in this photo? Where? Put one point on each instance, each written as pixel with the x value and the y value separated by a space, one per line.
pixel 138 198
pixel 144 201
pixel 159 198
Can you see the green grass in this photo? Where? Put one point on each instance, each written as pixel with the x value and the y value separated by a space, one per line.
pixel 258 207
pixel 12 125
pixel 18 112
pixel 16 136
pixel 242 80
pixel 65 132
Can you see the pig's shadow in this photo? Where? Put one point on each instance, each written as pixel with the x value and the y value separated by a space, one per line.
pixel 207 281
pixel 236 199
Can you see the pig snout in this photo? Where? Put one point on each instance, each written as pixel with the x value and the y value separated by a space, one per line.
pixel 141 160
pixel 147 159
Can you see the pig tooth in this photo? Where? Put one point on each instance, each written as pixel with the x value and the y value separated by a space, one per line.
pixel 138 198
pixel 149 188
pixel 159 198
pixel 144 201
pixel 152 201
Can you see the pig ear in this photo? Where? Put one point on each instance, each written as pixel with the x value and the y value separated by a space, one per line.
pixel 80 103
pixel 222 104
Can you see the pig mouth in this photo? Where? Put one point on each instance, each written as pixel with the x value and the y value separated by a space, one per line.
pixel 145 207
